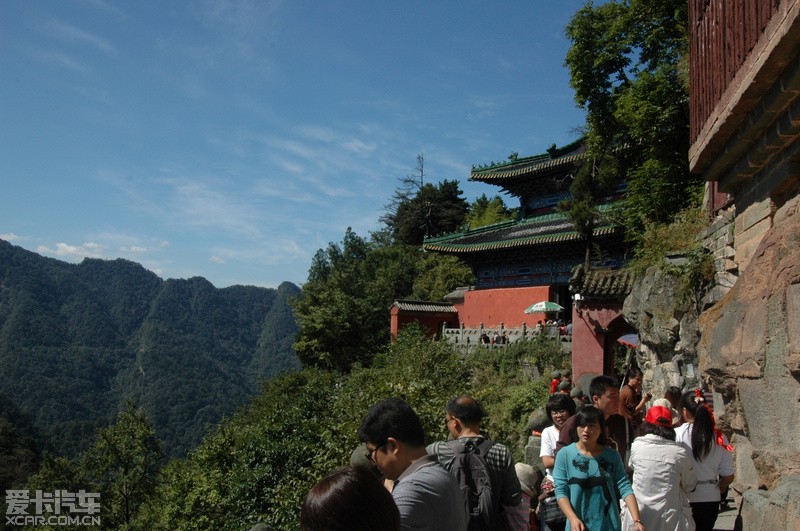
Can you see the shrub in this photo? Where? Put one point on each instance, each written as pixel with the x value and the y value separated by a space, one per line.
pixel 259 464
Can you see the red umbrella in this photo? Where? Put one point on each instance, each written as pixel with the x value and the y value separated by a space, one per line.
pixel 629 340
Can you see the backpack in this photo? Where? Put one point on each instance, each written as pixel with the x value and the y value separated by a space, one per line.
pixel 472 475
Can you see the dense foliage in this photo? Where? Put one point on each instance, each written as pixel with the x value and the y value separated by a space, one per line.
pixel 487 211
pixel 121 466
pixel 419 210
pixel 434 210
pixel 19 453
pixel 628 68
pixel 343 309
pixel 76 341
pixel 258 465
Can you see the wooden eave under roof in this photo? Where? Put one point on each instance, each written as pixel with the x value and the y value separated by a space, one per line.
pixel 531 232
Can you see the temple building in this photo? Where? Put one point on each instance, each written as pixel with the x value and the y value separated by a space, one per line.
pixel 533 258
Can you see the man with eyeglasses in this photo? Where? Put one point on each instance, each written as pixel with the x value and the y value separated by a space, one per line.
pixel 463 420
pixel 427 495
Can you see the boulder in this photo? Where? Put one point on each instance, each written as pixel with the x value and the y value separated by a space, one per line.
pixel 777 509
pixel 667 324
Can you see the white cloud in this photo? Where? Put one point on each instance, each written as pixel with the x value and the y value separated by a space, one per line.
pixel 292 147
pixel 265 252
pixel 334 139
pixel 357 146
pixel 9 237
pixel 59 59
pixel 243 23
pixel 124 242
pixel 133 249
pixel 326 186
pixel 105 6
pixel 287 190
pixel 67 32
pixel 202 204
pixel 74 252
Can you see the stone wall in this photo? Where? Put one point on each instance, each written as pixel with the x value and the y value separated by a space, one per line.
pixel 777 509
pixel 719 239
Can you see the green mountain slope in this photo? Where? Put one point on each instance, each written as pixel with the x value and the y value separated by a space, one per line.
pixel 76 341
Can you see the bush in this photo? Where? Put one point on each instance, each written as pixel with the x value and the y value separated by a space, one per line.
pixel 659 240
pixel 259 464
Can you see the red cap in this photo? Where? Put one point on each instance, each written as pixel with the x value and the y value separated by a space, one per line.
pixel 659 415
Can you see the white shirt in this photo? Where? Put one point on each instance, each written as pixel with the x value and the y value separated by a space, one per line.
pixel 662 477
pixel 717 463
pixel 549 440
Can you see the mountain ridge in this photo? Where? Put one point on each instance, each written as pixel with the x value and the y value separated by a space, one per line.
pixel 78 340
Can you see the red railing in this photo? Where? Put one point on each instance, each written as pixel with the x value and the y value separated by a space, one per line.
pixel 721 35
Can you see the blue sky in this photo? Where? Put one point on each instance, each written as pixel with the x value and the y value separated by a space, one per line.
pixel 232 139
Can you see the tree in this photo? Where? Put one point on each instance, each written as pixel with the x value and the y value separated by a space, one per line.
pixel 341 315
pixel 58 473
pixel 439 274
pixel 627 66
pixel 19 453
pixel 257 465
pixel 484 211
pixel 419 210
pixel 343 309
pixel 123 464
pixel 590 185
pixel 409 186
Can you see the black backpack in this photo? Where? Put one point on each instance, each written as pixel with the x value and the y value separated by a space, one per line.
pixel 472 475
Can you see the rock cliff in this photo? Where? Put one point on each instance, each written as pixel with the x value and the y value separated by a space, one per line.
pixel 746 348
pixel 750 352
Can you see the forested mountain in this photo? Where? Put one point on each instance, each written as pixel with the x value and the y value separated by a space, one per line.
pixel 77 341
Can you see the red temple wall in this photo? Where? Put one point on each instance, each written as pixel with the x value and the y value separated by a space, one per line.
pixel 595 330
pixel 432 321
pixel 502 305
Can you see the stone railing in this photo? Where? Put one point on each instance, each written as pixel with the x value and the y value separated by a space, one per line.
pixel 467 338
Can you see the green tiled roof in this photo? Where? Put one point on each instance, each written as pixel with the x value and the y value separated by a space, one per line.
pixel 424 306
pixel 545 162
pixel 539 230
pixel 603 283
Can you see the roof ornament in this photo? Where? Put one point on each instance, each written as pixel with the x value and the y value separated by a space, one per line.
pixel 576 282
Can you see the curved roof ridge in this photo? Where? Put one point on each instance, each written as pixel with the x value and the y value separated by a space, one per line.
pixel 522 241
pixel 553 154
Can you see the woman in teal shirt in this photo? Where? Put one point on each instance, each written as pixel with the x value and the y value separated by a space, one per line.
pixel 590 479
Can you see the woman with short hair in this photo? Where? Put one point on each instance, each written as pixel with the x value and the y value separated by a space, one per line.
pixel 559 408
pixel 662 474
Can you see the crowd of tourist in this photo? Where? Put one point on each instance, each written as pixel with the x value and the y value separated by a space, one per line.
pixel 611 460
